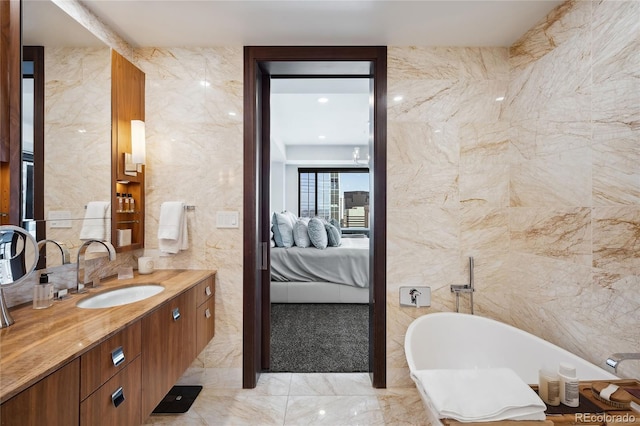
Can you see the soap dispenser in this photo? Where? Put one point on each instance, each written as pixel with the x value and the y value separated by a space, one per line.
pixel 43 293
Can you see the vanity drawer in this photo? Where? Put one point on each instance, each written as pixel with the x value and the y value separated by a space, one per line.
pixel 205 324
pixel 108 358
pixel 118 401
pixel 204 290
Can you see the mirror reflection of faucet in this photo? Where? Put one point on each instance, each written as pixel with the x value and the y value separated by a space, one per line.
pixel 66 258
pixel 81 282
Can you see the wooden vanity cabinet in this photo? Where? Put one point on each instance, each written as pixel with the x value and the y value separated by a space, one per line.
pixel 205 323
pixel 117 402
pixel 110 376
pixel 169 347
pixel 108 358
pixel 123 378
pixel 51 401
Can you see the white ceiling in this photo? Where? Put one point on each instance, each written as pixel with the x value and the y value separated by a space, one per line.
pixel 45 24
pixel 164 23
pixel 297 117
pixel 308 22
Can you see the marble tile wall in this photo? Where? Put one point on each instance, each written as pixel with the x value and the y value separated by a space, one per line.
pixel 195 155
pixel 574 112
pixel 541 187
pixel 448 176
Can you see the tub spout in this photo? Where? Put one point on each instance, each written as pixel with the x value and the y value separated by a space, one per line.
pixel 617 358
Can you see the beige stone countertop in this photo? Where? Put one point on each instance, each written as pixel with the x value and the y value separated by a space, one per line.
pixel 41 341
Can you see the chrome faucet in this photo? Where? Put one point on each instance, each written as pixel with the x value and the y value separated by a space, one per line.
pixel 80 271
pixel 617 358
pixel 465 288
pixel 63 250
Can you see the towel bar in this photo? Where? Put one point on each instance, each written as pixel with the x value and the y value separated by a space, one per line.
pixel 128 221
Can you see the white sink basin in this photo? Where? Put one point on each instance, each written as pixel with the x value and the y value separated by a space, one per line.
pixel 120 296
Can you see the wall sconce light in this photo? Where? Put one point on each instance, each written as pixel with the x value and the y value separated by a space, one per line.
pixel 133 161
pixel 138 150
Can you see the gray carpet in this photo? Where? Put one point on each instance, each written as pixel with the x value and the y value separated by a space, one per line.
pixel 319 338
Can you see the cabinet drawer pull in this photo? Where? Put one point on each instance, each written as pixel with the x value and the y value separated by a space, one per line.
pixel 117 356
pixel 207 291
pixel 176 314
pixel 117 397
pixel 207 313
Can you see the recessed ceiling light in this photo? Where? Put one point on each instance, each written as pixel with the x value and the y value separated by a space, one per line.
pixel 323 100
pixel 398 98
pixel 205 83
pixel 322 137
pixel 500 98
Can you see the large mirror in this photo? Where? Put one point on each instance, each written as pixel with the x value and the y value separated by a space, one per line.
pixel 75 128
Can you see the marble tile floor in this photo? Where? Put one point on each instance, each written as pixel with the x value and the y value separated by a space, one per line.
pixel 295 399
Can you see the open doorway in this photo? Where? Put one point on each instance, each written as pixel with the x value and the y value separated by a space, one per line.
pixel 261 65
pixel 321 137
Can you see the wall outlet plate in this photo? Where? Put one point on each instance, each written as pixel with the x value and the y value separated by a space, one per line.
pixel 422 296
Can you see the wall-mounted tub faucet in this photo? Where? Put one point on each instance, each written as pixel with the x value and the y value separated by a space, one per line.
pixel 414 293
pixel 465 288
pixel 617 358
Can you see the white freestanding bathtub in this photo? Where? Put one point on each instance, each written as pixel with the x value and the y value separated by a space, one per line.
pixel 448 340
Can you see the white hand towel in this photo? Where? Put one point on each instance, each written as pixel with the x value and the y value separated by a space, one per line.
pixel 480 394
pixel 172 227
pixel 95 225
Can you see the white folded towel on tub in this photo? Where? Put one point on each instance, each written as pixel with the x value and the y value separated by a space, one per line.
pixel 480 395
pixel 172 227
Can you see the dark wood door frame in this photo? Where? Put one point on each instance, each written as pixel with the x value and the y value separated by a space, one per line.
pixel 255 296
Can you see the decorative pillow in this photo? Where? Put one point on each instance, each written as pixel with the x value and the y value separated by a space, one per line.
pixel 318 234
pixel 333 235
pixel 292 217
pixel 301 234
pixel 282 230
pixel 335 222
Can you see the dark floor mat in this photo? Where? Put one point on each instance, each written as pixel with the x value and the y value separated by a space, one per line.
pixel 319 338
pixel 178 400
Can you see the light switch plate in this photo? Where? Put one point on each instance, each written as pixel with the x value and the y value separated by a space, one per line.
pixel 227 219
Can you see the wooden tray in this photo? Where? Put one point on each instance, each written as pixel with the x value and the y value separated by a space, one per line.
pixel 604 416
